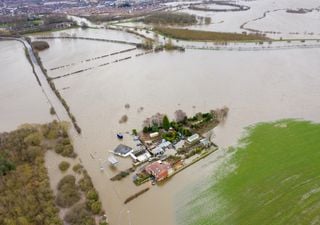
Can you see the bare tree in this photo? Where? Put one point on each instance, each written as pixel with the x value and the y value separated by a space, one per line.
pixel 157 119
pixel 210 135
pixel 123 119
pixel 221 114
pixel 180 115
pixel 147 122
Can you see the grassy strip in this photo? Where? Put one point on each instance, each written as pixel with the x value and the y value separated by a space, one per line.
pixel 276 180
pixel 32 66
pixel 196 35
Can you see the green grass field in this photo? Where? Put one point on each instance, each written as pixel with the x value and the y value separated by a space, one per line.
pixel 276 180
pixel 197 35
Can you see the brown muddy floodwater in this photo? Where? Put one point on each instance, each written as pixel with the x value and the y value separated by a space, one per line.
pixel 256 86
pixel 22 101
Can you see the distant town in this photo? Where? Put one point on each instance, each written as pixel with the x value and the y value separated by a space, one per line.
pixel 76 7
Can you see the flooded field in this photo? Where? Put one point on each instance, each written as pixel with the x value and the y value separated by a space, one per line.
pixel 269 85
pixel 83 54
pixel 22 100
pixel 93 33
pixel 277 24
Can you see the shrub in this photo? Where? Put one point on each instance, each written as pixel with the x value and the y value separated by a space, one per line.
pixel 134 132
pixel 65 149
pixel 68 193
pixel 170 136
pixel 52 111
pixel 79 215
pixel 77 168
pixel 5 166
pixel 33 139
pixel 39 45
pixel 64 166
pixel 95 207
pixel 92 195
pixel 31 153
pixel 59 148
pixel 85 183
pixel 65 141
pixel 145 130
pixel 123 119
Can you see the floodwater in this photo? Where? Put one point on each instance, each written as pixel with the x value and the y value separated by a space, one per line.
pixel 93 33
pixel 280 23
pixel 256 86
pixel 22 101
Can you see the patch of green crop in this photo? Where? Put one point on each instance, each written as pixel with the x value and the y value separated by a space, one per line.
pixel 276 180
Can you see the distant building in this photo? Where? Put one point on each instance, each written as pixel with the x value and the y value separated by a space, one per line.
pixel 122 150
pixel 159 170
pixel 192 139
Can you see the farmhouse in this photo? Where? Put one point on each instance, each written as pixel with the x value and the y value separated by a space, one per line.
pixel 159 170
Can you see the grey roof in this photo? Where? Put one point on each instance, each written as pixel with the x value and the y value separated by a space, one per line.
pixel 122 149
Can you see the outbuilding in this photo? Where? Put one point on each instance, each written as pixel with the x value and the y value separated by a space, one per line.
pixel 122 150
pixel 193 138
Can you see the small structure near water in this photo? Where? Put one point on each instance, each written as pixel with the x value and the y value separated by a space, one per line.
pixel 122 150
pixel 112 160
pixel 141 155
pixel 192 139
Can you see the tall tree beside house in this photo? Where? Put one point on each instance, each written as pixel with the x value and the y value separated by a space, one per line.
pixel 166 123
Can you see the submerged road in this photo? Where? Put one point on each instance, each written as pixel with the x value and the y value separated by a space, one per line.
pixel 90 39
pixel 253 48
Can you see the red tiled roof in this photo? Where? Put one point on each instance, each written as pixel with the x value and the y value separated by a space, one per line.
pixel 158 170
